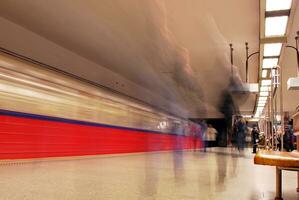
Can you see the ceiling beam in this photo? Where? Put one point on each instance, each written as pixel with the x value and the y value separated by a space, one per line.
pixel 280 39
pixel 277 13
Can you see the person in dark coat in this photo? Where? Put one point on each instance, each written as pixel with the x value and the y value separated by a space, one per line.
pixel 288 139
pixel 255 138
pixel 241 133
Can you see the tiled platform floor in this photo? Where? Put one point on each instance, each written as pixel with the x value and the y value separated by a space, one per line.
pixel 216 174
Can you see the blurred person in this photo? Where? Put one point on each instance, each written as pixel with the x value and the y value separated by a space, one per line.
pixel 196 131
pixel 288 139
pixel 234 133
pixel 241 133
pixel 255 138
pixel 248 138
pixel 203 133
pixel 211 135
pixel 149 185
pixel 194 134
pixel 178 155
pixel 262 139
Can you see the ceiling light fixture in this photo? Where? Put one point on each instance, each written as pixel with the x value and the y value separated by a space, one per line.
pixel 272 49
pixel 269 63
pixel 276 26
pixel 264 94
pixel 266 82
pixel 264 73
pixel 262 101
pixel 264 89
pixel 263 98
pixel 274 5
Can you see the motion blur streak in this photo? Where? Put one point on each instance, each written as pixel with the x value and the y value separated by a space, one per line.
pixel 44 113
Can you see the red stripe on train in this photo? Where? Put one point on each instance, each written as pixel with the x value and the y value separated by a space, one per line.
pixel 34 138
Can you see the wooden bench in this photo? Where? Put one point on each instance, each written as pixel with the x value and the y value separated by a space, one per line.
pixel 282 161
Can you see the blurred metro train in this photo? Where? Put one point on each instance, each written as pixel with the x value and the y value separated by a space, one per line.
pixel 44 113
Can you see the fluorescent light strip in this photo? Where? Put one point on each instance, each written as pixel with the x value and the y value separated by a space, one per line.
pixel 263 94
pixel 266 82
pixel 276 26
pixel 269 63
pixel 273 5
pixel 272 49
pixel 264 89
pixel 264 73
pixel 263 98
pixel 262 102
pixel 261 105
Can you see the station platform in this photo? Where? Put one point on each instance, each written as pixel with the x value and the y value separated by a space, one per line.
pixel 219 173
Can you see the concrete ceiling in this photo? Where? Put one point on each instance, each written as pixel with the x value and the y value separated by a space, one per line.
pixel 177 51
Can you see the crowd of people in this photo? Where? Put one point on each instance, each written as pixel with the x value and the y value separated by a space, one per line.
pixel 241 130
pixel 206 133
pixel 242 136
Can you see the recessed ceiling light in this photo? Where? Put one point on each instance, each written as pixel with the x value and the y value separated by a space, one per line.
pixel 264 89
pixel 262 101
pixel 268 63
pixel 263 98
pixel 272 5
pixel 266 82
pixel 272 49
pixel 264 94
pixel 276 26
pixel 261 105
pixel 264 73
pixel 260 110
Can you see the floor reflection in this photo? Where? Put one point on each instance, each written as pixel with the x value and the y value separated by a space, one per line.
pixel 149 186
pixel 221 172
pixel 214 175
pixel 178 167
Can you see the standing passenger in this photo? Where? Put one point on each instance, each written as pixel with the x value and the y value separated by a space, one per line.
pixel 241 133
pixel 211 136
pixel 194 134
pixel 255 138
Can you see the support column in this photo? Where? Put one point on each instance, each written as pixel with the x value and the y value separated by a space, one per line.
pixel 278 184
